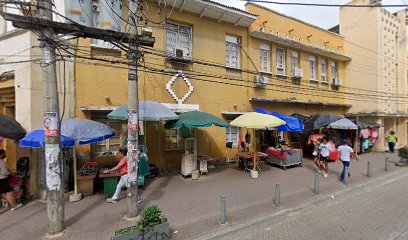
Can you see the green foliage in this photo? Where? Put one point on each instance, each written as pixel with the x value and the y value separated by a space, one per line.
pixel 403 152
pixel 150 217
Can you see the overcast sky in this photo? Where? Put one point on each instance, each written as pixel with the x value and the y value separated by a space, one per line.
pixel 324 17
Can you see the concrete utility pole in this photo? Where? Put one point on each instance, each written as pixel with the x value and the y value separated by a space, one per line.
pixel 55 197
pixel 133 117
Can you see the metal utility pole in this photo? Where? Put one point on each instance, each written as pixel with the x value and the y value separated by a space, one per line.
pixel 55 197
pixel 133 117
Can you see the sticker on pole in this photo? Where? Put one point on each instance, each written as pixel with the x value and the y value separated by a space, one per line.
pixel 50 124
pixel 132 120
pixel 53 169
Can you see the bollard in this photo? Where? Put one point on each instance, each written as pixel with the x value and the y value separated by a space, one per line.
pixel 277 195
pixel 369 169
pixel 346 175
pixel 386 164
pixel 223 219
pixel 316 184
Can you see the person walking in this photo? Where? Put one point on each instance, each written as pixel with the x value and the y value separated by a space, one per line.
pixel 5 184
pixel 392 141
pixel 325 149
pixel 346 152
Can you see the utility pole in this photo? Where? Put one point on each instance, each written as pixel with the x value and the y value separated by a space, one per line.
pixel 133 115
pixel 55 197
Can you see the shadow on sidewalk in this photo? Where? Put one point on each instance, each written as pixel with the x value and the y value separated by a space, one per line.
pixel 84 212
pixel 25 219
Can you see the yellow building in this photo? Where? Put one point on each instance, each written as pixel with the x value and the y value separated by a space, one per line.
pixel 233 65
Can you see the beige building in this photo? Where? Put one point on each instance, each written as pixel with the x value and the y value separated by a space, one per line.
pixel 377 88
pixel 21 84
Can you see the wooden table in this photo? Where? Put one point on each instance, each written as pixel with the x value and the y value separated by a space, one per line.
pixel 250 156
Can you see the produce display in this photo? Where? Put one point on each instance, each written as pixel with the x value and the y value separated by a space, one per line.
pixel 202 157
pixel 89 169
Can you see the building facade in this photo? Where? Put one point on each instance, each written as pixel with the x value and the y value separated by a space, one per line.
pixel 376 41
pixel 235 61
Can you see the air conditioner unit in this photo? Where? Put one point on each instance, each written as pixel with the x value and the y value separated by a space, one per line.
pixel 337 82
pixel 298 73
pixel 182 53
pixel 260 81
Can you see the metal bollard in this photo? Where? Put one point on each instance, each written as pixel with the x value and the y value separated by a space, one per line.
pixel 369 169
pixel 277 195
pixel 346 176
pixel 316 184
pixel 386 164
pixel 223 219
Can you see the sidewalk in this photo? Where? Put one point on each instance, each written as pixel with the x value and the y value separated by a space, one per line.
pixel 192 207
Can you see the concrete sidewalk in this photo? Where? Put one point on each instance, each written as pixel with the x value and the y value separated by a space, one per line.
pixel 192 207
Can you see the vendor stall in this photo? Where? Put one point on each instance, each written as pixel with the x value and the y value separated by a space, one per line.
pixel 284 153
pixel 255 121
pixel 368 135
pixel 187 122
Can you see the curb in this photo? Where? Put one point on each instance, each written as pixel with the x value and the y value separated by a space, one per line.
pixel 356 189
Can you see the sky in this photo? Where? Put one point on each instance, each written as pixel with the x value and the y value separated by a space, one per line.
pixel 325 17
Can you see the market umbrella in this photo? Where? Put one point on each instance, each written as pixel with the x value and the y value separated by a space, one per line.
pixel 292 124
pixel 10 128
pixel 320 121
pixel 196 119
pixel 344 124
pixel 36 139
pixel 84 131
pixel 363 125
pixel 148 111
pixel 257 121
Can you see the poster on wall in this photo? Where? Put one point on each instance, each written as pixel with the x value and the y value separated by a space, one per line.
pixel 50 124
pixel 53 171
pixel 132 120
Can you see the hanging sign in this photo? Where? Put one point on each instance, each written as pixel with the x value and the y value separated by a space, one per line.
pixel 132 120
pixel 50 124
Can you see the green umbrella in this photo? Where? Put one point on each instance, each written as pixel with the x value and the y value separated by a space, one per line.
pixel 196 119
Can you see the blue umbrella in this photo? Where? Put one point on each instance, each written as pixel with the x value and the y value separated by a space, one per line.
pixel 292 124
pixel 35 139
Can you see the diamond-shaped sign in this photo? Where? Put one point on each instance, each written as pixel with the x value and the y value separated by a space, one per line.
pixel 180 74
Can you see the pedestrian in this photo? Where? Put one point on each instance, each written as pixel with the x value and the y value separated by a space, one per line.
pixel 5 183
pixel 316 153
pixel 325 149
pixel 346 152
pixel 392 140
pixel 242 149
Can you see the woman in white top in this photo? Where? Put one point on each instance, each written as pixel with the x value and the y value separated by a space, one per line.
pixel 5 184
pixel 325 150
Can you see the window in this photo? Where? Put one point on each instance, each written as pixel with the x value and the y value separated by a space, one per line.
pixel 312 62
pixel 178 41
pixel 333 71
pixel 294 62
pixel 232 52
pixel 173 139
pixel 280 61
pixel 323 68
pixel 232 135
pixel 112 144
pixel 265 56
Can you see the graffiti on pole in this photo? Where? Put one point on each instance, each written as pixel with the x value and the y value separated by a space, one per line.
pixel 132 120
pixel 53 171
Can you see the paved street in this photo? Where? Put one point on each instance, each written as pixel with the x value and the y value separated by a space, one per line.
pixel 192 207
pixel 378 213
